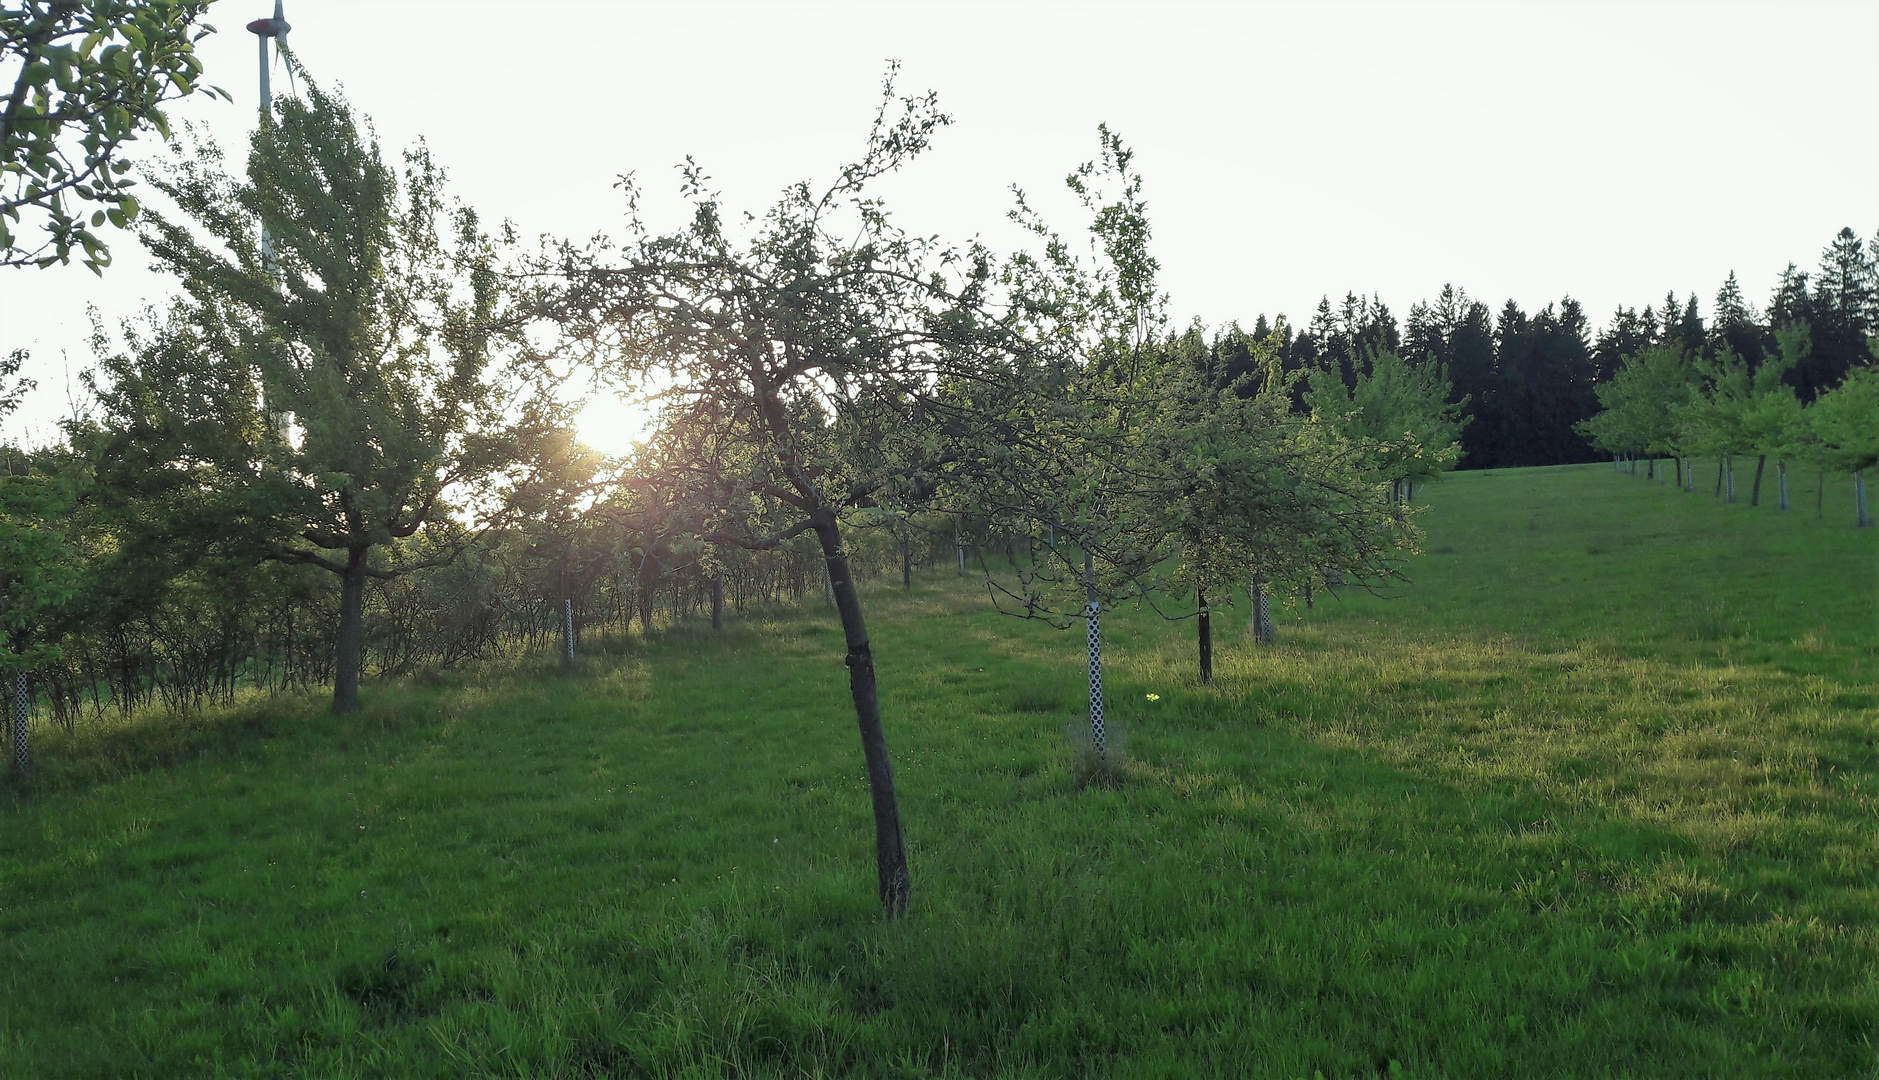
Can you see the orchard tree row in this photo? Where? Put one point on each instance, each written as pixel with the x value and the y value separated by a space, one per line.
pixel 345 448
pixel 1667 402
pixel 364 409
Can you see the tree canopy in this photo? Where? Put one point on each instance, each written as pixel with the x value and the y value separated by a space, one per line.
pixel 89 77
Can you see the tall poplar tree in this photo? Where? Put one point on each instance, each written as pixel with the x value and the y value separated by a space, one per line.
pixel 339 404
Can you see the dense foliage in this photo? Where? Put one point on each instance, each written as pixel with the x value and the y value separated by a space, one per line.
pixel 89 76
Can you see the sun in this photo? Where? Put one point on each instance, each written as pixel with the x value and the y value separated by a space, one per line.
pixel 613 424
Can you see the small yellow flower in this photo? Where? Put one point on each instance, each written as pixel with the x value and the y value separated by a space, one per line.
pixel 1154 697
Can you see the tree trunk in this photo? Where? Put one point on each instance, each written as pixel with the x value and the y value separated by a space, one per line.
pixel 350 646
pixel 717 603
pixel 890 846
pixel 567 622
pixel 906 567
pixel 22 710
pixel 1862 517
pixel 1729 474
pixel 1093 615
pixel 1259 620
pixel 1206 640
pixel 1719 476
pixel 1755 491
pixel 567 632
pixel 1781 481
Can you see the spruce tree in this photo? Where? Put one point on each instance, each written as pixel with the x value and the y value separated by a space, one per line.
pixel 1790 303
pixel 1842 314
pixel 1625 336
pixel 1733 323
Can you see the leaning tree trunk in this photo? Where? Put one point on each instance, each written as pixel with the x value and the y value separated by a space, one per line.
pixel 1206 630
pixel 21 703
pixel 890 846
pixel 1719 476
pixel 350 646
pixel 1755 492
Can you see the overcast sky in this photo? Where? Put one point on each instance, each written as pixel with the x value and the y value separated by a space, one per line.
pixel 1606 151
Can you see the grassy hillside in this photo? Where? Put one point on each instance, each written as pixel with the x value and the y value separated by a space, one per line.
pixel 1594 797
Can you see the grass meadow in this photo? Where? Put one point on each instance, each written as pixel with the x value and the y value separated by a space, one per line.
pixel 1594 797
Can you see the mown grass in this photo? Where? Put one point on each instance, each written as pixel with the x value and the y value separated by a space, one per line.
pixel 1594 797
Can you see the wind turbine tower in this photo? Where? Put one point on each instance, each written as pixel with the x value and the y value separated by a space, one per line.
pixel 263 29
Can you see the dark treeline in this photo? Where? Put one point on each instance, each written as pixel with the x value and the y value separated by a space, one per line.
pixel 1527 377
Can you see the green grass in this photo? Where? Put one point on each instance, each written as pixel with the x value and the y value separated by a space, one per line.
pixel 1595 797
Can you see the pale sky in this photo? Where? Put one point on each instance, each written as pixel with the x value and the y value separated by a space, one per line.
pixel 1607 151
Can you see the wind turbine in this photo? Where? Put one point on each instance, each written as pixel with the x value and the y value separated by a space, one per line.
pixel 263 29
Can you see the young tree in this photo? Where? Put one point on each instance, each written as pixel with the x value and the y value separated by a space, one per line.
pixel 1772 412
pixel 1139 448
pixel 337 400
pixel 1738 411
pixel 1641 402
pixel 819 346
pixel 1845 421
pixel 1402 411
pixel 37 576
pixel 88 77
pixel 1247 488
